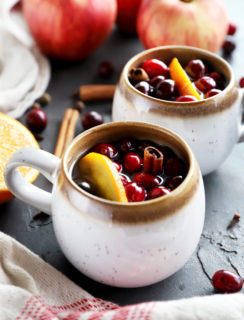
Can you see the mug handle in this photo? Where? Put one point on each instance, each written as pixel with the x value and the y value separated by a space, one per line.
pixel 40 160
pixel 241 138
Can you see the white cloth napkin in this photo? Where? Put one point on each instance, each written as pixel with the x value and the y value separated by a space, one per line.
pixel 24 71
pixel 31 289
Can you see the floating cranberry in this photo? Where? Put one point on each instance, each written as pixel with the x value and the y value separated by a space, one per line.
pixel 154 81
pixel 118 166
pixel 36 120
pixel 205 84
pixel 126 145
pixel 186 98
pixel 132 162
pixel 91 119
pixel 125 179
pixel 105 69
pixel 166 89
pixel 216 76
pixel 212 93
pixel 143 87
pixel 231 28
pixel 227 281
pixel 157 192
pixel 147 180
pixel 134 192
pixel 228 47
pixel 196 69
pixel 142 144
pixel 155 67
pixel 174 167
pixel 174 182
pixel 242 82
pixel 167 152
pixel 106 149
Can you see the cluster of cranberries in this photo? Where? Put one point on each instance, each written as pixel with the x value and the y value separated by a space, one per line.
pixel 229 45
pixel 152 78
pixel 127 155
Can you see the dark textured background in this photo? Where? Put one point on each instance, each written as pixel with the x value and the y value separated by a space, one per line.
pixel 219 248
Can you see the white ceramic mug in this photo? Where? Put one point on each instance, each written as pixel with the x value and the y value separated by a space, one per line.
pixel 211 126
pixel 120 244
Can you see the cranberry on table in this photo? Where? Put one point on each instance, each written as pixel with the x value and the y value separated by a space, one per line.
pixel 174 182
pixel 147 180
pixel 118 166
pixel 155 80
pixel 134 192
pixel 195 69
pixel 155 67
pixel 211 93
pixel 132 162
pixel 166 89
pixel 228 47
pixel 126 145
pixel 205 84
pixel 143 87
pixel 186 98
pixel 106 149
pixel 125 179
pixel 227 281
pixel 242 82
pixel 174 167
pixel 91 119
pixel 157 192
pixel 231 28
pixel 36 120
pixel 105 69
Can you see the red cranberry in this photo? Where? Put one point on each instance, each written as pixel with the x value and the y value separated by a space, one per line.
pixel 105 69
pixel 231 28
pixel 134 192
pixel 106 149
pixel 167 152
pixel 154 81
pixel 155 67
pixel 157 192
pixel 36 120
pixel 126 145
pixel 242 82
pixel 196 69
pixel 125 179
pixel 132 162
pixel 147 180
pixel 91 119
pixel 143 87
pixel 142 145
pixel 205 84
pixel 174 167
pixel 118 166
pixel 186 98
pixel 228 47
pixel 227 281
pixel 216 76
pixel 212 93
pixel 174 182
pixel 166 89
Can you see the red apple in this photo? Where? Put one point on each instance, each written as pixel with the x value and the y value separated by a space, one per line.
pixel 69 29
pixel 197 23
pixel 127 15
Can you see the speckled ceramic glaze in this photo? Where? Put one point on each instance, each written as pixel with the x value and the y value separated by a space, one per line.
pixel 211 126
pixel 125 245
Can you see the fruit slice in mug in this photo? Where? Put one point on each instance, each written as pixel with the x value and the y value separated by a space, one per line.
pixel 100 171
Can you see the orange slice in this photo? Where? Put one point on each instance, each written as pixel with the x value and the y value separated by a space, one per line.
pixel 100 171
pixel 13 136
pixel 182 80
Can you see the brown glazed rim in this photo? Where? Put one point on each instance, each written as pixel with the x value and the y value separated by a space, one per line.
pixel 137 59
pixel 179 191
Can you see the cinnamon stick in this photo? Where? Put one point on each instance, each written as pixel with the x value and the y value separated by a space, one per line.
pixel 95 92
pixel 67 131
pixel 153 160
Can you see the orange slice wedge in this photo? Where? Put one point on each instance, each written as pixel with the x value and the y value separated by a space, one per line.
pixel 100 171
pixel 13 136
pixel 182 80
